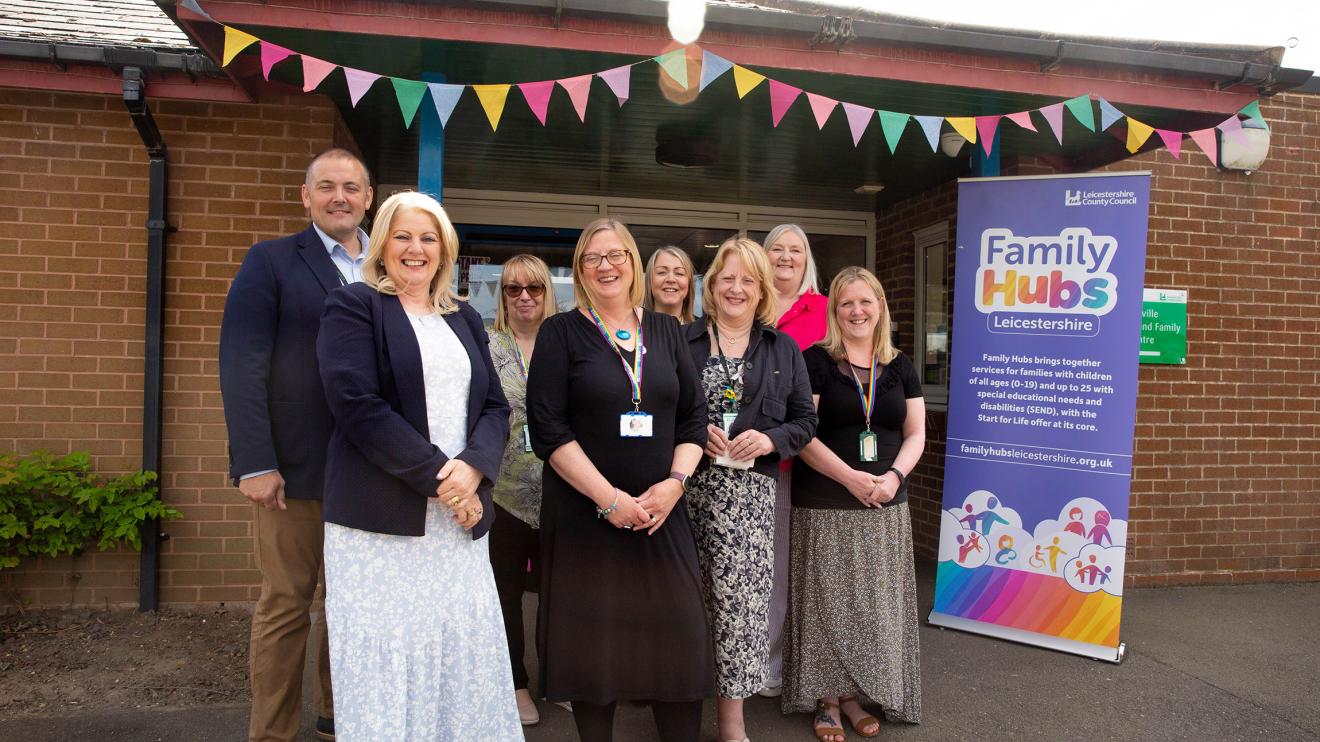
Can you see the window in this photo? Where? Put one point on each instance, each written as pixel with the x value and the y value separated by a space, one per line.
pixel 932 311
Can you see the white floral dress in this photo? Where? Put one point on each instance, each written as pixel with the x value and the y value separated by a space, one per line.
pixel 417 647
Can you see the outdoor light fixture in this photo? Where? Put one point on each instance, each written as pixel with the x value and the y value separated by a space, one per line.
pixel 951 143
pixel 686 19
pixel 1247 149
pixel 869 188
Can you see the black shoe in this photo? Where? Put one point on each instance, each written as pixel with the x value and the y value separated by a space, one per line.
pixel 325 728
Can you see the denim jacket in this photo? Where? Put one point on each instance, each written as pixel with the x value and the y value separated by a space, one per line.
pixel 776 391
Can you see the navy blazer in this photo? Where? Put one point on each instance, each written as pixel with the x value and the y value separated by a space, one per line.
pixel 381 464
pixel 275 407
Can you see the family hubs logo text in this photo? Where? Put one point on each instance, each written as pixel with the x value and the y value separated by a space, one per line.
pixel 1067 272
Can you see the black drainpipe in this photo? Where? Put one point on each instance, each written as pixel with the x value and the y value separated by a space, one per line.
pixel 158 168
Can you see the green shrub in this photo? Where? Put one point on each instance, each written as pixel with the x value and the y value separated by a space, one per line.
pixel 56 505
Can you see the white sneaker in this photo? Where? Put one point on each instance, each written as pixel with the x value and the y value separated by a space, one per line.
pixel 527 712
pixel 771 690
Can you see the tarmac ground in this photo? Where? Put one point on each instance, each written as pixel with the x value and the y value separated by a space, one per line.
pixel 1203 664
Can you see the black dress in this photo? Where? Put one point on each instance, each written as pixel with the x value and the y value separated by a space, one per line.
pixel 621 614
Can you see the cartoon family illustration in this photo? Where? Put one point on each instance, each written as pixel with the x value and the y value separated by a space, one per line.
pixel 1099 532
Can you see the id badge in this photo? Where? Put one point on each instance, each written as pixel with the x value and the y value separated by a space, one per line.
pixel 727 419
pixel 635 425
pixel 527 439
pixel 867 447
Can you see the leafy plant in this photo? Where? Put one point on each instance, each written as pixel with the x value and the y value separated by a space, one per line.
pixel 56 505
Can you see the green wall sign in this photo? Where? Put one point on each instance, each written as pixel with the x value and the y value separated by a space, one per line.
pixel 1164 326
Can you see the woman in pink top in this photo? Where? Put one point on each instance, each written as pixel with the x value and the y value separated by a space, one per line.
pixel 802 311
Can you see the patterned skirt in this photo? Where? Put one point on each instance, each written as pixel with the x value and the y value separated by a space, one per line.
pixel 852 616
pixel 733 520
pixel 417 647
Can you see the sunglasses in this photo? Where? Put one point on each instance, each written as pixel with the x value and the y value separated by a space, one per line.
pixel 513 290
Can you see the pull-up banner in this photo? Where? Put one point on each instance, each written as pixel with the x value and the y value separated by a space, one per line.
pixel 1042 402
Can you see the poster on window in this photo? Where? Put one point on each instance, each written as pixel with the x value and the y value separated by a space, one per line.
pixel 1048 281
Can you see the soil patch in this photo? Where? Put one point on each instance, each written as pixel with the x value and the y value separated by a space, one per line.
pixel 62 661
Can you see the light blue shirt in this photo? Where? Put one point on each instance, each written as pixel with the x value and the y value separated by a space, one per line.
pixel 350 268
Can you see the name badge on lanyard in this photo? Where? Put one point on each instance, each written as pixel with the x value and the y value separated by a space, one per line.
pixel 527 439
pixel 634 424
pixel 868 444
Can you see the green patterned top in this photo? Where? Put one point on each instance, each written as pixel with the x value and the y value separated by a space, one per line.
pixel 518 489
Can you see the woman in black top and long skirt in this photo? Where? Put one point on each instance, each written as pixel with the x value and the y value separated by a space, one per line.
pixel 621 614
pixel 852 620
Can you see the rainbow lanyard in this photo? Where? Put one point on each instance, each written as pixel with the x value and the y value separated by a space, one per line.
pixel 522 360
pixel 634 371
pixel 867 394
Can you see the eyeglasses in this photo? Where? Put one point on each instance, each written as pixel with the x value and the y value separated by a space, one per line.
pixel 616 257
pixel 513 290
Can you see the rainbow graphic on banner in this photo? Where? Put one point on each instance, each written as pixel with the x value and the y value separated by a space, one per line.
pixel 1039 603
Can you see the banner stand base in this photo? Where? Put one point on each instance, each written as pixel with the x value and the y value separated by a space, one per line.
pixel 1020 636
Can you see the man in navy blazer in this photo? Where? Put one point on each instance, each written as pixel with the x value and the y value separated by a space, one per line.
pixel 279 426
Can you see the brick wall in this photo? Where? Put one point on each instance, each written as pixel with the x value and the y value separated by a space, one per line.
pixel 1226 479
pixel 72 297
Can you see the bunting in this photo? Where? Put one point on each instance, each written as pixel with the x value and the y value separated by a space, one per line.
pixel 409 93
pixel 493 97
pixel 781 98
pixel 618 79
pixel 712 66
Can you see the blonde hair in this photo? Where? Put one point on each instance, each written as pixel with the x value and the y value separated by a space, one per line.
pixel 373 266
pixel 883 346
pixel 685 313
pixel 581 294
pixel 535 271
pixel 757 266
pixel 810 276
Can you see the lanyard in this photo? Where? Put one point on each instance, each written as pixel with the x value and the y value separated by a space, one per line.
pixel 730 396
pixel 634 371
pixel 868 394
pixel 342 281
pixel 522 360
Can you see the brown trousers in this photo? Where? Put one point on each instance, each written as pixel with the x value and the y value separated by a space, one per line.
pixel 288 549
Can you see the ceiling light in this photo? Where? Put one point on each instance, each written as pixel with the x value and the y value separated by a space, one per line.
pixel 869 188
pixel 686 20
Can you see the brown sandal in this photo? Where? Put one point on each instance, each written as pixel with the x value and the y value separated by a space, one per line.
pixel 866 722
pixel 827 734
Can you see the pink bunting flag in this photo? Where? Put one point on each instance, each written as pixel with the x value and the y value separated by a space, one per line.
pixel 858 119
pixel 1054 117
pixel 359 82
pixel 619 80
pixel 1023 119
pixel 314 71
pixel 985 131
pixel 781 97
pixel 1172 141
pixel 821 108
pixel 579 89
pixel 1232 128
pixel 272 55
pixel 538 97
pixel 1205 139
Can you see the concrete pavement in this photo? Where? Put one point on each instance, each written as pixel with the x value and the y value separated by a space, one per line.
pixel 1203 664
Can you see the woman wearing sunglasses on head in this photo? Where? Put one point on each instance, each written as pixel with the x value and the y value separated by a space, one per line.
pixel 527 299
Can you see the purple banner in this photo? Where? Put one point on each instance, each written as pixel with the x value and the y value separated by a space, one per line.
pixel 1042 402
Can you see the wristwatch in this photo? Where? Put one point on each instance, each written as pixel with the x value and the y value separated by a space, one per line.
pixel 681 477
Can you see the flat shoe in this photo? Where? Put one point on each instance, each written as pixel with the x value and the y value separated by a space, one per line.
pixel 527 713
pixel 827 734
pixel 864 722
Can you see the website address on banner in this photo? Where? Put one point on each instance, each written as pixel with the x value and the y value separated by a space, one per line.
pixel 1057 458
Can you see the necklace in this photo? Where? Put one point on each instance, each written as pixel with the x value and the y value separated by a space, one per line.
pixel 622 334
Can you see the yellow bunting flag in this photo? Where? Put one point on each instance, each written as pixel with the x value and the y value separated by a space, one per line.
pixel 1137 134
pixel 745 80
pixel 492 99
pixel 235 42
pixel 965 125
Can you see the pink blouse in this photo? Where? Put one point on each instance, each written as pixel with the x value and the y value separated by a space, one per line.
pixel 805 320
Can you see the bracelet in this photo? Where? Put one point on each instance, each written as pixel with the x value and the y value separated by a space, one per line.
pixel 902 480
pixel 607 512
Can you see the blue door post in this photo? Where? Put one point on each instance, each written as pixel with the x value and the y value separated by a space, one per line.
pixel 431 147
